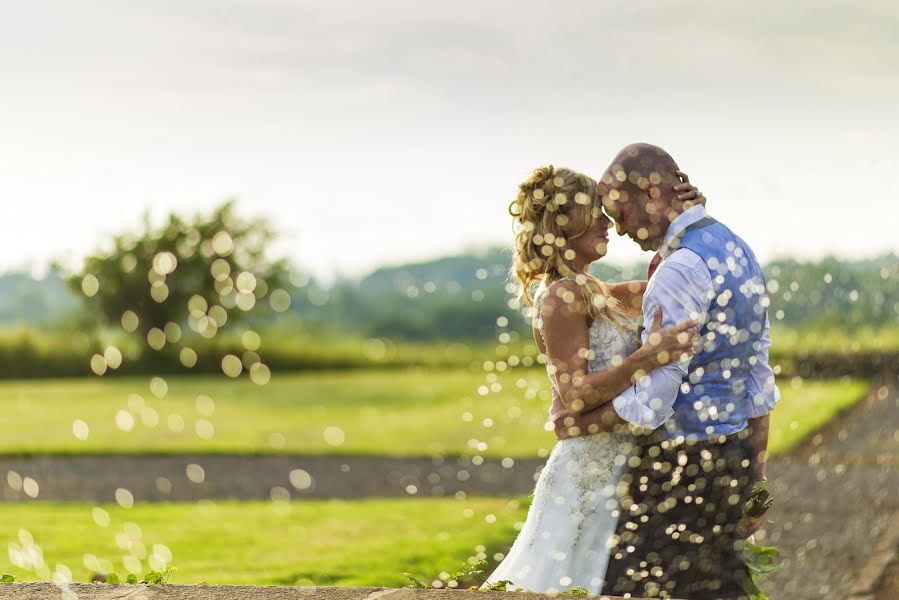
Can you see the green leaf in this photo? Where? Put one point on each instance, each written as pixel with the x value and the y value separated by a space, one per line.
pixel 761 551
pixel 132 578
pixel 112 578
pixel 6 578
pixel 414 582
pixel 468 572
pixel 752 589
pixel 159 577
pixel 761 560
pixel 153 577
pixel 576 591
pixel 499 586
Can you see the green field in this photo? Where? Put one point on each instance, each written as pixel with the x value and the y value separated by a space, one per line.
pixel 363 542
pixel 806 406
pixel 788 341
pixel 368 412
pixel 388 411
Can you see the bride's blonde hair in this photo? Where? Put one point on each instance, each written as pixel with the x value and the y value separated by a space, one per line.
pixel 550 203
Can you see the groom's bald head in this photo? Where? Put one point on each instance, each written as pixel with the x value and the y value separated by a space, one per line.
pixel 641 161
pixel 637 189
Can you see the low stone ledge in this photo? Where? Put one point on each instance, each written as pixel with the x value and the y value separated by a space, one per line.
pixel 175 591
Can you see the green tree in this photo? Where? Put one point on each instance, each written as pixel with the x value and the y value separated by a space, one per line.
pixel 202 273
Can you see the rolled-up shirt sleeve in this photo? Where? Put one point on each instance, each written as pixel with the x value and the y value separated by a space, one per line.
pixel 682 286
pixel 763 391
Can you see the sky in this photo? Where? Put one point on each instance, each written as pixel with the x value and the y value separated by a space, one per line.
pixel 376 133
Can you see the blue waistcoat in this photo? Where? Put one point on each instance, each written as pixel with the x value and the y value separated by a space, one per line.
pixel 713 399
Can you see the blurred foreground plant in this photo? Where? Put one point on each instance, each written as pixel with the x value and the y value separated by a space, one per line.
pixel 466 573
pixel 152 578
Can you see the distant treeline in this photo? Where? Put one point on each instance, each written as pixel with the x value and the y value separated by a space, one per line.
pixel 462 298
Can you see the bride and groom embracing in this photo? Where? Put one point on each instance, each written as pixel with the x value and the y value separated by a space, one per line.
pixel 662 431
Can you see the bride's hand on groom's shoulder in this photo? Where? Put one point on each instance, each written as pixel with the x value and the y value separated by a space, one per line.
pixel 666 345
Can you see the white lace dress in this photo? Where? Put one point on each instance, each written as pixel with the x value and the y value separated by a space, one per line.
pixel 564 540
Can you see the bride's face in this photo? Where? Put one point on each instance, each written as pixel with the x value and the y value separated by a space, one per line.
pixel 593 243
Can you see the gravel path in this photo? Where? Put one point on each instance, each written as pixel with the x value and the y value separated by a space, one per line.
pixel 156 478
pixel 837 498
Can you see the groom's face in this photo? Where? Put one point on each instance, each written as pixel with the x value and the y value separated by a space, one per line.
pixel 629 219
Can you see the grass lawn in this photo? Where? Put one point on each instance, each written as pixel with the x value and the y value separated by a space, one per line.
pixel 789 341
pixel 390 411
pixel 333 542
pixel 806 406
pixel 345 412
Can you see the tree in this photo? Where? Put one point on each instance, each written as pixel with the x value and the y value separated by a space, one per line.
pixel 200 273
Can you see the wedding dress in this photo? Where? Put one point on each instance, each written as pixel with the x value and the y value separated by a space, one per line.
pixel 564 541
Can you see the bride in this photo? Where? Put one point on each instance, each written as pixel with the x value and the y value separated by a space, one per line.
pixel 585 330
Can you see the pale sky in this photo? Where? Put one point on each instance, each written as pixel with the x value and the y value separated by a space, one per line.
pixel 398 130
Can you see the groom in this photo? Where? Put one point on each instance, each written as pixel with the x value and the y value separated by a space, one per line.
pixel 681 528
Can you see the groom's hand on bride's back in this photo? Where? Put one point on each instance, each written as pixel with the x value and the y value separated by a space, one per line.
pixel 604 418
pixel 669 344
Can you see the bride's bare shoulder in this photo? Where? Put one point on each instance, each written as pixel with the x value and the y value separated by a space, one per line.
pixel 562 298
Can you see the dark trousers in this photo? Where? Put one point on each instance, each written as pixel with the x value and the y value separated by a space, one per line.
pixel 680 505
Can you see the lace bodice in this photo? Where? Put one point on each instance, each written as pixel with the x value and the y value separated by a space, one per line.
pixel 610 341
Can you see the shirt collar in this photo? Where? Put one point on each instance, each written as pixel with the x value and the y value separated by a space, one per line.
pixel 683 220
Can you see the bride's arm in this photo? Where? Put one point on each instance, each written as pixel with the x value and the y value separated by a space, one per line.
pixel 565 326
pixel 630 295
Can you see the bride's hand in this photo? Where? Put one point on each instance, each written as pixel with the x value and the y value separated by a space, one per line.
pixel 669 344
pixel 687 191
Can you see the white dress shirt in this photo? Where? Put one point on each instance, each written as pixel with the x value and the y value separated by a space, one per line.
pixel 682 286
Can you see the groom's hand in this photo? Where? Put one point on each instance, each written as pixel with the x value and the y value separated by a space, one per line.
pixel 748 526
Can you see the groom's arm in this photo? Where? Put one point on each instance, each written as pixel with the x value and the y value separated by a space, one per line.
pixel 630 295
pixel 758 428
pixel 682 286
pixel 763 394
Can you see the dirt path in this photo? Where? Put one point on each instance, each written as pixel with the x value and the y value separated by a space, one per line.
pixel 837 499
pixel 156 478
